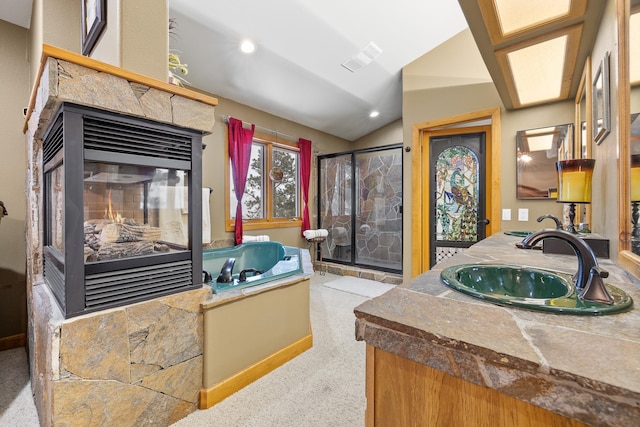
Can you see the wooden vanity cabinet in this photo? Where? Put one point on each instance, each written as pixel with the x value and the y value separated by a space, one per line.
pixel 401 392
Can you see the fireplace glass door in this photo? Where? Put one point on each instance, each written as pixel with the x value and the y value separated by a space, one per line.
pixel 133 211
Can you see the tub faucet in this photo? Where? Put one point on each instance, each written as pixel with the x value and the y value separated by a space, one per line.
pixel 588 279
pixel 243 274
pixel 226 274
pixel 554 218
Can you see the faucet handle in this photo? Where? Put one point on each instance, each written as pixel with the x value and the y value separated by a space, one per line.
pixel 595 290
pixel 600 271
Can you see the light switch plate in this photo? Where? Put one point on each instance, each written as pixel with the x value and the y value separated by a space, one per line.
pixel 506 214
pixel 523 214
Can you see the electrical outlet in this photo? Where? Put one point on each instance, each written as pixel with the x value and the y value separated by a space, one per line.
pixel 523 214
pixel 506 214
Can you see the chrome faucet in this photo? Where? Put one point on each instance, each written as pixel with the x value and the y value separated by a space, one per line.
pixel 588 279
pixel 554 218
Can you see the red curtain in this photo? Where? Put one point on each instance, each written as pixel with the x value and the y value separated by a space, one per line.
pixel 240 140
pixel 305 175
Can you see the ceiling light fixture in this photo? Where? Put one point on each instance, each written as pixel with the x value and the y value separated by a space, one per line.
pixel 247 46
pixel 374 114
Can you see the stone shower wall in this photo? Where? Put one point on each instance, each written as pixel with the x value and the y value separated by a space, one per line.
pixel 379 235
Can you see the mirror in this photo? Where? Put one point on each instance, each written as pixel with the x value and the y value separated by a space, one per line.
pixel 537 151
pixel 583 119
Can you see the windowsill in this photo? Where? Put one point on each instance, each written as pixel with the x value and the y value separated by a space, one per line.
pixel 265 225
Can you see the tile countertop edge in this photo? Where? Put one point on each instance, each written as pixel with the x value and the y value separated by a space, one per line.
pixel 428 323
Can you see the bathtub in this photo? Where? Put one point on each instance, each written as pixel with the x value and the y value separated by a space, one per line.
pixel 272 260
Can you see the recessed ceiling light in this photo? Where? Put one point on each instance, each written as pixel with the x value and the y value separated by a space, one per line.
pixel 374 114
pixel 247 46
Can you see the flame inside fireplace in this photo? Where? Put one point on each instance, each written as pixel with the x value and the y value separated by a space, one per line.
pixel 108 212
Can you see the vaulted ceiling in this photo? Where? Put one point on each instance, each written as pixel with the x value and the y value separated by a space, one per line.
pixel 328 64
pixel 296 71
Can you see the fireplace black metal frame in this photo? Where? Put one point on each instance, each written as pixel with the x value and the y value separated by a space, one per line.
pixel 79 133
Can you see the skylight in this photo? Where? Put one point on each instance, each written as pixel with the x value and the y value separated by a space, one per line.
pixel 518 15
pixel 537 70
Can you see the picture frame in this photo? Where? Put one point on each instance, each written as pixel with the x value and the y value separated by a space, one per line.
pixel 601 106
pixel 94 20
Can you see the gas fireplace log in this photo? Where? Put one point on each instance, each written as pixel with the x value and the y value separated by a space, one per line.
pixel 117 232
pixel 109 251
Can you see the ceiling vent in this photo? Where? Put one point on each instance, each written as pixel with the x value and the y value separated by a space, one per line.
pixel 362 58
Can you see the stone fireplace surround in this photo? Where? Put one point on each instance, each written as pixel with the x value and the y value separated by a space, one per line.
pixel 135 365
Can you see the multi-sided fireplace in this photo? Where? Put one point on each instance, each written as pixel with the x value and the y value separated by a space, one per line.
pixel 123 211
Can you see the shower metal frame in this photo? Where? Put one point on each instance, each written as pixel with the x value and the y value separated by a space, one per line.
pixel 353 153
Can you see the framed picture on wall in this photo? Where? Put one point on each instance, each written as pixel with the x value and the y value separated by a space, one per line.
pixel 94 19
pixel 601 119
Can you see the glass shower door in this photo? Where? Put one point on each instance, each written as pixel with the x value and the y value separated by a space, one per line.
pixel 336 198
pixel 378 216
pixel 360 205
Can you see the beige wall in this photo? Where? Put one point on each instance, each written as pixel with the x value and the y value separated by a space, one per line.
pixel 605 176
pixel 55 23
pixel 14 87
pixel 386 135
pixel 136 37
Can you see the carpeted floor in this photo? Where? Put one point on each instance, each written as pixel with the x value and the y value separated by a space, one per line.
pixel 16 401
pixel 322 387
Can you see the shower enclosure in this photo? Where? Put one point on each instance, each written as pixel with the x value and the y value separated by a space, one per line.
pixel 360 205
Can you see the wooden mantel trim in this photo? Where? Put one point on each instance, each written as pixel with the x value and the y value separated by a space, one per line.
pixel 49 51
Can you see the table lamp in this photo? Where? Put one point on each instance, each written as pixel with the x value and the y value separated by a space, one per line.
pixel 574 185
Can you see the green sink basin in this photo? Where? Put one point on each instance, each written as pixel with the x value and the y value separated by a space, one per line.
pixel 517 233
pixel 528 287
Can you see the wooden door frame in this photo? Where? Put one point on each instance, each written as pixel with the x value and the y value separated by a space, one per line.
pixel 420 220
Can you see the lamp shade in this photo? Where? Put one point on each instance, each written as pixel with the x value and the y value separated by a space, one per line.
pixel 574 180
pixel 635 177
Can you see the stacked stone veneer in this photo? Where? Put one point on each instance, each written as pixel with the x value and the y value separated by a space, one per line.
pixel 134 365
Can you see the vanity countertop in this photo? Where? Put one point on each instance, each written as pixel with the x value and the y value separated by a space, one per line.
pixel 584 367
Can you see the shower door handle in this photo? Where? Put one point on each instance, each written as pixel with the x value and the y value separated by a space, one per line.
pixel 484 221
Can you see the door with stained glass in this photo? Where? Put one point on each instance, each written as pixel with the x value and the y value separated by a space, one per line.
pixel 457 196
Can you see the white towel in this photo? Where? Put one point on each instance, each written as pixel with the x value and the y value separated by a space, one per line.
pixel 174 217
pixel 206 217
pixel 260 238
pixel 170 217
pixel 310 234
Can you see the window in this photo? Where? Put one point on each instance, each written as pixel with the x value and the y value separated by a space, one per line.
pixel 272 196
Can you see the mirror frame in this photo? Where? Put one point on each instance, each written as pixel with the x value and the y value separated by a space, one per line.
pixel 627 259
